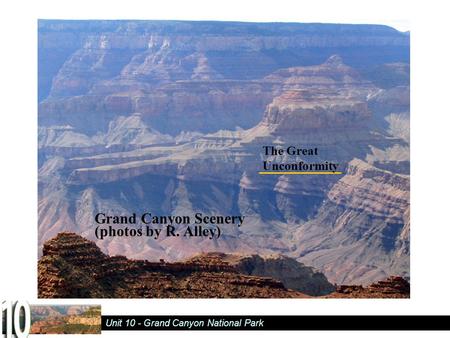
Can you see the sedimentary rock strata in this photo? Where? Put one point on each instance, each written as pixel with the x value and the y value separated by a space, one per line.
pixel 73 267
pixel 171 118
pixel 392 287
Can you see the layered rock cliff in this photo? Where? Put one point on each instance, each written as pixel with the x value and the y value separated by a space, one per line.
pixel 293 274
pixel 171 117
pixel 103 69
pixel 365 222
pixel 65 319
pixel 392 287
pixel 73 267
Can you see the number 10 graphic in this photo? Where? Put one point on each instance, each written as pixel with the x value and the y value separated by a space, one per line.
pixel 12 315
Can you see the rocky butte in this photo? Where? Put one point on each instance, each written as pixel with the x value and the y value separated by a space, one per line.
pixel 171 118
pixel 73 267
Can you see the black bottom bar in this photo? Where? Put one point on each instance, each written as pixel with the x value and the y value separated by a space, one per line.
pixel 277 323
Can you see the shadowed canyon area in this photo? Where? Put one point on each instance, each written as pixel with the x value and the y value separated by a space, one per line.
pixel 171 117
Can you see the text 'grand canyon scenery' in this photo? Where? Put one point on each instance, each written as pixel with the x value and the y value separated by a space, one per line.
pixel 186 159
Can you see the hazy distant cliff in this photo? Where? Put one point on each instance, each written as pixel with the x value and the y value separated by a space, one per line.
pixel 171 117
pixel 158 68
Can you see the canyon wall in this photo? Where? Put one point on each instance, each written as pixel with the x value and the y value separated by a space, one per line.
pixel 171 117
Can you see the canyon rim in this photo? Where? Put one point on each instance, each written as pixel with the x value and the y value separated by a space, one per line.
pixel 172 118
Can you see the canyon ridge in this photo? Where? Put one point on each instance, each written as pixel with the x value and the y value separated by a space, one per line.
pixel 172 116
